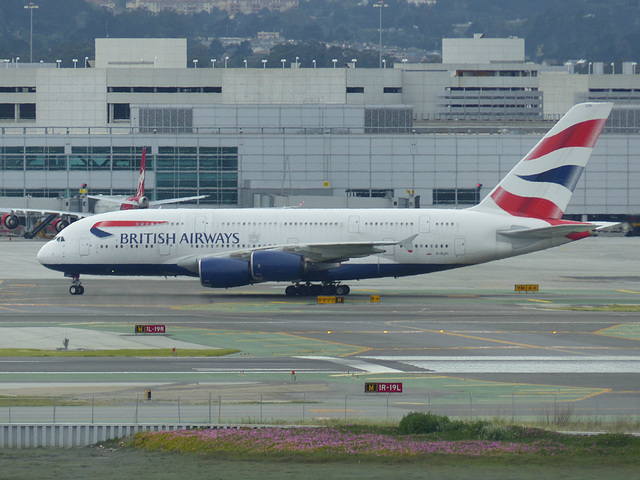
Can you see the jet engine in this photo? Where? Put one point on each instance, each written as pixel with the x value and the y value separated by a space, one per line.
pixel 263 266
pixel 59 224
pixel 10 221
pixel 143 202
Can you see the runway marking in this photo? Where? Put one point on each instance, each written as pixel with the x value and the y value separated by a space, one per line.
pixel 623 330
pixel 267 342
pixel 627 291
pixel 505 342
pixel 10 309
pixel 539 301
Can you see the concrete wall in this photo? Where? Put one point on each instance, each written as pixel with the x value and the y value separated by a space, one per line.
pixel 141 52
pixel 482 50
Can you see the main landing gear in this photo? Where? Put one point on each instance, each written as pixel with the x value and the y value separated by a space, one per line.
pixel 307 289
pixel 76 287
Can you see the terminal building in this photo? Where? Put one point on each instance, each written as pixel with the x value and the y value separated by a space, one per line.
pixel 411 136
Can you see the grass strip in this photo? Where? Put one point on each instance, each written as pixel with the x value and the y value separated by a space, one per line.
pixel 142 352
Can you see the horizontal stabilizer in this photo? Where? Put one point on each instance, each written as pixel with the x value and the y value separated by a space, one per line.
pixel 554 231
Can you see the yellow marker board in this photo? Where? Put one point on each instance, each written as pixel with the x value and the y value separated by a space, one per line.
pixel 528 288
pixel 327 299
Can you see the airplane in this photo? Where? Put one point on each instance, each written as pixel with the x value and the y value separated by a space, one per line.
pixel 316 250
pixel 60 219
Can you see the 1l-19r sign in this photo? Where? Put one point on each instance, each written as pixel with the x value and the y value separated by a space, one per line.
pixel 150 329
pixel 383 388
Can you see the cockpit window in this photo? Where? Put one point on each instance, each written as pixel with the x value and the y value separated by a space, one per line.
pixel 59 239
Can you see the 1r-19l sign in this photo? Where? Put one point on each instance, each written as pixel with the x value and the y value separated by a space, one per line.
pixel 383 388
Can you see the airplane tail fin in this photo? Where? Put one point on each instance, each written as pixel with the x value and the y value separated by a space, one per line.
pixel 140 191
pixel 541 184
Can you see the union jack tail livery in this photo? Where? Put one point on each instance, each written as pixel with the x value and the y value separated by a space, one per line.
pixel 540 186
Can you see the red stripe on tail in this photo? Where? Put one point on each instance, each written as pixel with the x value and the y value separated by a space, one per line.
pixel 525 206
pixel 583 134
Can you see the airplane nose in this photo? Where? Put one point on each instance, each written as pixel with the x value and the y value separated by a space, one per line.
pixel 45 254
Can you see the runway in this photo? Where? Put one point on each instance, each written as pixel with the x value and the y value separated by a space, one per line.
pixel 452 335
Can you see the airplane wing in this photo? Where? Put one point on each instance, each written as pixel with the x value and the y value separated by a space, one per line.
pixel 155 203
pixel 114 200
pixel 312 252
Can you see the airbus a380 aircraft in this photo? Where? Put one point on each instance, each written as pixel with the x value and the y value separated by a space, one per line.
pixel 317 249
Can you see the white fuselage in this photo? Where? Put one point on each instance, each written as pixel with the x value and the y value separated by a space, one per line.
pixel 161 242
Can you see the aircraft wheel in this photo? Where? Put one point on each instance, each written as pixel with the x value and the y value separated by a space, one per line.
pixel 73 290
pixel 291 291
pixel 342 290
pixel 80 290
pixel 315 290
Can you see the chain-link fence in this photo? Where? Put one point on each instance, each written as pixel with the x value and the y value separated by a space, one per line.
pixel 212 408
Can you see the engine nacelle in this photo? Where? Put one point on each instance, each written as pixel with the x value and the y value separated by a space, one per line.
pixel 143 202
pixel 276 266
pixel 10 221
pixel 224 272
pixel 59 224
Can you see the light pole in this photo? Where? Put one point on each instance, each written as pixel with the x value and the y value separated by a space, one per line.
pixel 75 62
pixel 264 63
pixel 380 5
pixel 86 61
pixel 58 62
pixel 213 63
pixel 17 61
pixel 31 7
pixel 195 63
pixel 354 61
pixel 226 59
pixel 613 68
pixel 384 63
pixel 283 60
pixel 334 61
pixel 314 63
pixel 297 58
pixel 245 63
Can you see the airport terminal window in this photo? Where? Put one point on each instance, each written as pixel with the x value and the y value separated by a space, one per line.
pixel 355 89
pixel 7 111
pixel 392 90
pixel 27 111
pixel 12 192
pixel 370 192
pixel 54 158
pixel 127 158
pixel 13 158
pixel 209 171
pixel 35 158
pixel 456 196
pixel 119 112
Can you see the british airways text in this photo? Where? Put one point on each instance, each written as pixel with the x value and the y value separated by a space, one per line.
pixel 173 239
